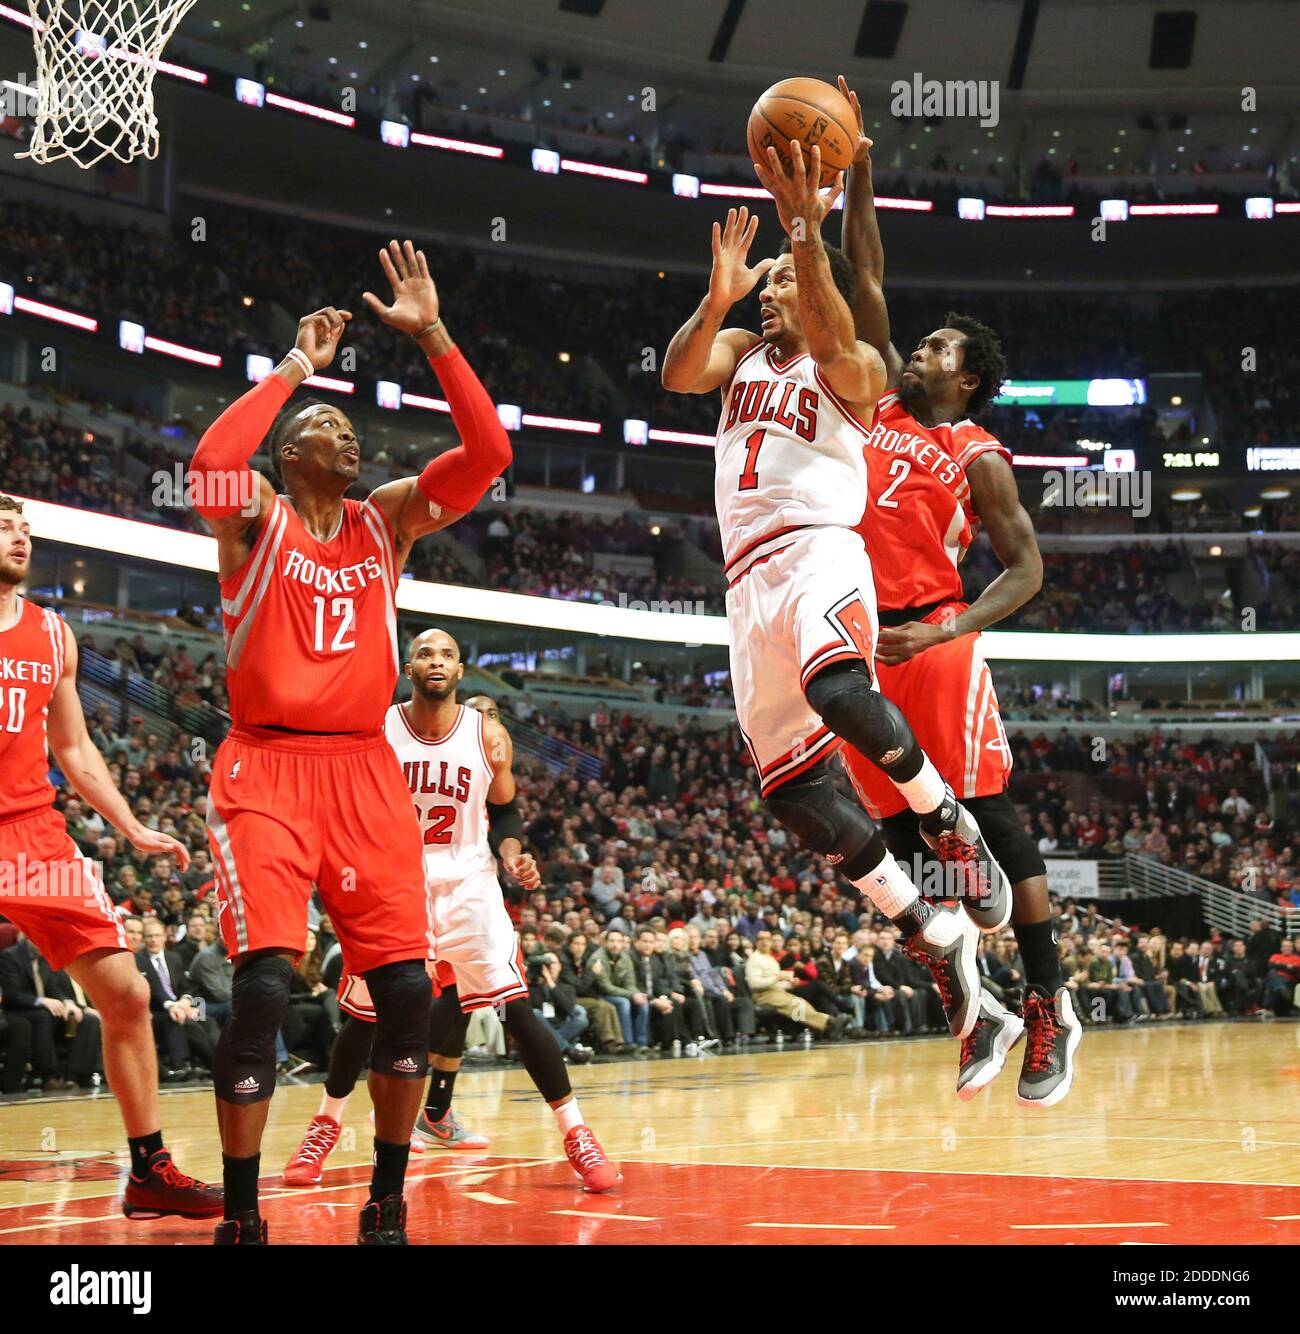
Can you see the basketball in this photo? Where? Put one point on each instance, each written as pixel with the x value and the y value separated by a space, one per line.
pixel 815 113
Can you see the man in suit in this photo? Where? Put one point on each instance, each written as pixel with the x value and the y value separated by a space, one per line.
pixel 1209 969
pixel 180 1026
pixel 667 1021
pixel 23 975
pixel 892 971
pixel 1238 990
pixel 1182 977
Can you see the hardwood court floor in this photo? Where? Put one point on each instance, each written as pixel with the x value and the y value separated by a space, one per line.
pixel 1179 1133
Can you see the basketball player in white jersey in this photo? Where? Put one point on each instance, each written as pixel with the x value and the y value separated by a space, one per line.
pixel 458 765
pixel 790 486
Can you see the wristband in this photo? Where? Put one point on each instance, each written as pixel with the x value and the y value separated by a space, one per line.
pixel 302 361
pixel 428 329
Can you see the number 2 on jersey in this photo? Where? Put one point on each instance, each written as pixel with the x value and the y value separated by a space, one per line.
pixel 749 478
pixel 441 819
pixel 898 470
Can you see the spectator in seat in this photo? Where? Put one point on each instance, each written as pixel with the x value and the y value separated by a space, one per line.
pixel 715 994
pixel 182 1034
pixel 1238 991
pixel 1147 982
pixel 1282 979
pixel 604 1030
pixel 556 1004
pixel 23 986
pixel 835 968
pixel 15 1049
pixel 1182 977
pixel 908 1005
pixel 772 988
pixel 1209 969
pixel 615 974
pixel 654 982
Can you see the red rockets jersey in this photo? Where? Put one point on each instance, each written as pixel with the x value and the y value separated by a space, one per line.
pixel 917 521
pixel 311 626
pixel 32 653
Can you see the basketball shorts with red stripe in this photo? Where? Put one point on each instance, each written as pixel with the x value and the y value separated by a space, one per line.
pixel 946 694
pixel 790 614
pixel 289 813
pixel 52 892
pixel 475 947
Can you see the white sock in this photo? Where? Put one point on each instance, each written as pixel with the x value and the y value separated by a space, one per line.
pixel 333 1107
pixel 925 792
pixel 888 887
pixel 568 1115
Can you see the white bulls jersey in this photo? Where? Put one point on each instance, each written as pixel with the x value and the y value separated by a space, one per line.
pixel 449 780
pixel 788 457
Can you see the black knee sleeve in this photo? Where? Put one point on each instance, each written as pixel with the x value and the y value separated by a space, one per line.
pixel 448 1024
pixel 401 993
pixel 1004 832
pixel 349 1056
pixel 870 723
pixel 539 1049
pixel 243 1067
pixel 826 821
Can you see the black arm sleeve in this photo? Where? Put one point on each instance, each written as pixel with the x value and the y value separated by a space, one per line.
pixel 503 823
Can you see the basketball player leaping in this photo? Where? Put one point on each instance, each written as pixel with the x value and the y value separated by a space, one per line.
pixel 457 762
pixel 928 464
pixel 790 487
pixel 52 893
pixel 306 789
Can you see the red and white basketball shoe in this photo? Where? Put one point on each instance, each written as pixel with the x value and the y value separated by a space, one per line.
pixel 305 1167
pixel 588 1160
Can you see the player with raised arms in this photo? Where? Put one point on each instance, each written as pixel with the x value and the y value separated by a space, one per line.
pixel 933 474
pixel 52 893
pixel 457 763
pixel 306 791
pixel 790 489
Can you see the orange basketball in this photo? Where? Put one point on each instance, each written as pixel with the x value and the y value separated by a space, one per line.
pixel 814 113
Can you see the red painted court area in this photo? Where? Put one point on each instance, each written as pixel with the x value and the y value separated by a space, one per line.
pixel 516 1201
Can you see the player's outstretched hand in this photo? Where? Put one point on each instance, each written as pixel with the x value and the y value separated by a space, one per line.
pixel 415 298
pixel 319 334
pixel 149 840
pixel 800 205
pixel 732 279
pixel 862 149
pixel 524 869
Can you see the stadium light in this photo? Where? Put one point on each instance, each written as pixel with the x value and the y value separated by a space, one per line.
pixel 1172 210
pixel 167 348
pixel 609 173
pixel 330 383
pixel 682 438
pixel 577 424
pixel 388 395
pixel 6 298
pixel 1114 210
pixel 310 111
pixel 1259 208
pixel 110 535
pixel 1029 210
pixel 466 146
pixel 42 310
pixel 686 187
pixel 510 415
pixel 970 210
pixel 395 134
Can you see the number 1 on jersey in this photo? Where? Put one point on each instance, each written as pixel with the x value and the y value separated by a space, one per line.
pixel 749 478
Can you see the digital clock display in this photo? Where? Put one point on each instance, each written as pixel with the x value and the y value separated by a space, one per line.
pixel 1187 459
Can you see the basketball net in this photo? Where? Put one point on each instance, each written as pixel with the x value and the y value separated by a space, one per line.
pixel 95 64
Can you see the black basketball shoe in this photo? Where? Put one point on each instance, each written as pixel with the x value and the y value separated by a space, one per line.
pixel 383 1223
pixel 245 1229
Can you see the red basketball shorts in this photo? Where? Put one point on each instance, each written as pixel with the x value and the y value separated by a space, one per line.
pixel 288 813
pixel 947 695
pixel 52 893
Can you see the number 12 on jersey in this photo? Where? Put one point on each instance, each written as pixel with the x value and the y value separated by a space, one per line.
pixel 344 612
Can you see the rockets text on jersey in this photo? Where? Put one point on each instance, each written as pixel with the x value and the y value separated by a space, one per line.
pixel 449 779
pixel 917 521
pixel 788 456
pixel 311 626
pixel 32 653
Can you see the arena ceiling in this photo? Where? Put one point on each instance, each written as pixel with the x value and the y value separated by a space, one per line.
pixel 1075 84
